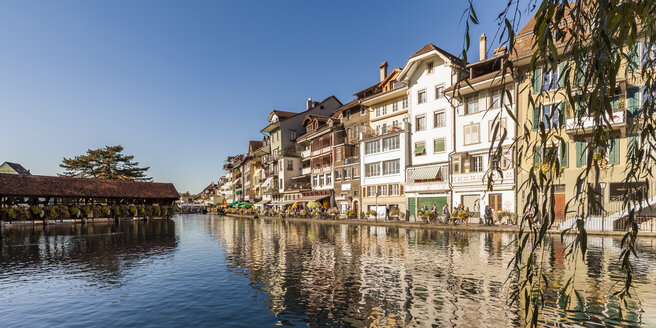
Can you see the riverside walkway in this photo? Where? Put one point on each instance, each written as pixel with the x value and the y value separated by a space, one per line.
pixel 418 225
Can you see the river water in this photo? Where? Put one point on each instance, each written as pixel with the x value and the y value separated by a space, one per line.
pixel 211 271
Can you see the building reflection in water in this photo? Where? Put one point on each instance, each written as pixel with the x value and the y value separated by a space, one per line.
pixel 342 275
pixel 99 253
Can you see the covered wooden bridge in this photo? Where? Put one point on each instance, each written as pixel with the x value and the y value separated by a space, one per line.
pixel 21 192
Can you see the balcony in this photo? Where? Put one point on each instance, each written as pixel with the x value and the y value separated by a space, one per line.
pixel 586 123
pixel 306 153
pixel 480 177
pixel 298 186
pixel 306 170
pixel 351 160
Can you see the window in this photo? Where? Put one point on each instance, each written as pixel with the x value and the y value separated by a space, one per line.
pixel 395 106
pixel 382 190
pixel 421 96
pixel 347 174
pixel 456 165
pixel 429 67
pixel 549 79
pixel 472 134
pixel 363 110
pixel 338 154
pixel 439 118
pixel 292 135
pixel 372 147
pixel 391 167
pixel 404 103
pixel 372 170
pixel 384 109
pixel 371 191
pixel 550 116
pixel 420 123
pixel 395 124
pixel 391 143
pixel 476 164
pixel 315 180
pixel 356 134
pixel 495 98
pixel 420 148
pixel 356 172
pixel 328 179
pixel 438 145
pixel 384 128
pixel 471 104
pixel 490 129
pixel 439 91
pixel 378 109
pixel 338 175
pixel 394 190
pixel 290 165
pixel 321 180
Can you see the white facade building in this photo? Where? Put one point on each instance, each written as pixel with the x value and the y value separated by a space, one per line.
pixel 427 74
pixel 480 110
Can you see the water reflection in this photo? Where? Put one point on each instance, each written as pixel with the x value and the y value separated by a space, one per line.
pixel 99 253
pixel 339 275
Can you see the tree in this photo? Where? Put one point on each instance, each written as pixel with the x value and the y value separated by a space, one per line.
pixel 593 43
pixel 104 163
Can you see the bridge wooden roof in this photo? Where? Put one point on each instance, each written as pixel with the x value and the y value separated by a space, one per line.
pixel 49 186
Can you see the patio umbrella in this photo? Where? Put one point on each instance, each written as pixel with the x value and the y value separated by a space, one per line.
pixel 313 204
pixel 294 206
pixel 244 204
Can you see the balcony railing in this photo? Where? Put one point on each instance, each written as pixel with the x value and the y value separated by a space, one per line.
pixel 478 177
pixel 351 160
pixel 306 170
pixel 580 125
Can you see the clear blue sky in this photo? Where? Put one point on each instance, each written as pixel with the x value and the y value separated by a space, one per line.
pixel 183 84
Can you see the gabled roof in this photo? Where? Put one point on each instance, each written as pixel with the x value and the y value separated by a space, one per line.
pixel 49 186
pixel 431 47
pixel 410 66
pixel 282 115
pixel 312 117
pixel 254 145
pixel 351 104
pixel 16 167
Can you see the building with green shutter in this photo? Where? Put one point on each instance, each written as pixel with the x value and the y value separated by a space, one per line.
pixel 544 110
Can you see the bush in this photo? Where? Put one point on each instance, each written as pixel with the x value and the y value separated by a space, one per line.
pixel 132 210
pixel 75 211
pixel 86 210
pixel 11 213
pixel 105 210
pixel 51 213
pixel 157 211
pixel 22 213
pixel 37 212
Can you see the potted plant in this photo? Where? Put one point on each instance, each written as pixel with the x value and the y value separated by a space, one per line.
pixel 37 212
pixel 351 215
pixel 105 211
pixel 74 211
pixel 132 210
pixel 372 214
pixel 51 213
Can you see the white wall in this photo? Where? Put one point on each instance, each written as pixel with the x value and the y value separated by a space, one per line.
pixel 420 80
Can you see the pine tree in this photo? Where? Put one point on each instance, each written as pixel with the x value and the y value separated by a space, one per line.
pixel 104 163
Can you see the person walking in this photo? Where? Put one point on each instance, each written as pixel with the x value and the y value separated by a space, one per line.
pixel 387 213
pixel 488 215
pixel 434 216
pixel 446 213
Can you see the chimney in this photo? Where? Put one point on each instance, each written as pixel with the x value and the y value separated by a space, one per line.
pixel 482 47
pixel 309 104
pixel 383 70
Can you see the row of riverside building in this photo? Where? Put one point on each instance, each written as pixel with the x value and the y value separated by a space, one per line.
pixel 408 141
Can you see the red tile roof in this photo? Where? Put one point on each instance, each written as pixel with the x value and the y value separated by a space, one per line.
pixel 49 186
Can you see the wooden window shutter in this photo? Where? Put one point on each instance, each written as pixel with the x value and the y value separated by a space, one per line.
pixel 537 154
pixel 633 102
pixel 564 155
pixel 536 117
pixel 561 115
pixel 580 154
pixel 537 80
pixel 561 74
pixel 614 153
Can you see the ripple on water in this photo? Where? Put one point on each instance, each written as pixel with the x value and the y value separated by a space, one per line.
pixel 213 271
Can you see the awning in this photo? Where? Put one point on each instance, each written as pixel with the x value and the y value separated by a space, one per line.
pixel 267 182
pixel 238 191
pixel 306 199
pixel 262 202
pixel 419 148
pixel 423 174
